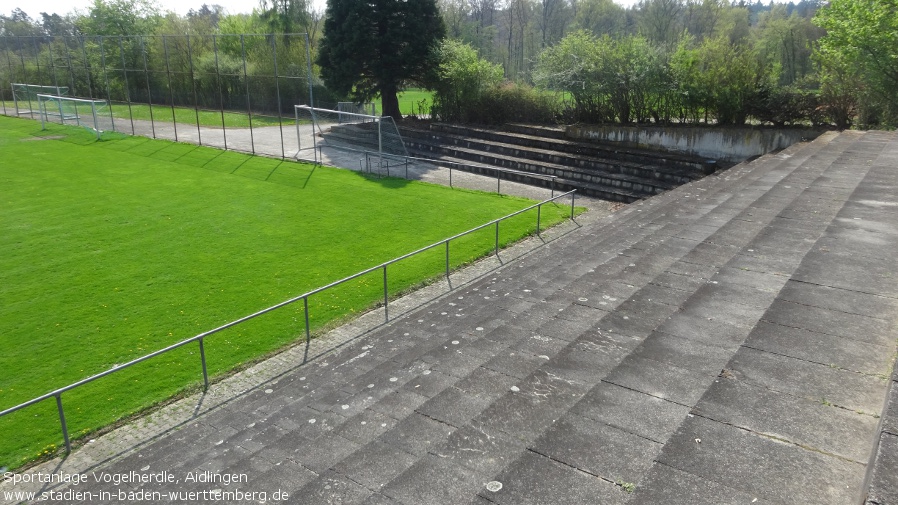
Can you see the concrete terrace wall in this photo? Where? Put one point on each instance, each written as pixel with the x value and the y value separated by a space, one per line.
pixel 725 144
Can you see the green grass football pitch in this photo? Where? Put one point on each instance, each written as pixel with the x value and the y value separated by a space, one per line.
pixel 112 249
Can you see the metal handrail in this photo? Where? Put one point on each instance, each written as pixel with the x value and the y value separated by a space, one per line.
pixel 440 163
pixel 458 166
pixel 57 393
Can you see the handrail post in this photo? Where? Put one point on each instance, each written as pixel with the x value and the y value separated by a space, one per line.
pixel 539 209
pixel 386 299
pixel 553 186
pixel 447 260
pixel 305 306
pixel 203 360
pixel 572 204
pixel 497 239
pixel 450 176
pixel 65 429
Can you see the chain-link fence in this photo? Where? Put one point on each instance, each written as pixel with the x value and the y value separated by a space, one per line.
pixel 229 91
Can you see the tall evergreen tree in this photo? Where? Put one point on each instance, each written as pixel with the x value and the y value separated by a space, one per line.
pixel 373 47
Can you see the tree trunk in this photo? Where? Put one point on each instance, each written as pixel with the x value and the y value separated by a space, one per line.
pixel 389 103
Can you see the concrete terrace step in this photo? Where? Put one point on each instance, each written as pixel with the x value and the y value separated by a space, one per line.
pixel 555 139
pixel 720 343
pixel 608 182
pixel 592 181
pixel 610 193
pixel 550 151
pixel 618 176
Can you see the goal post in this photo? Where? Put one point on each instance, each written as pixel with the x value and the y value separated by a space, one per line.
pixel 356 108
pixel 23 94
pixel 317 128
pixel 73 111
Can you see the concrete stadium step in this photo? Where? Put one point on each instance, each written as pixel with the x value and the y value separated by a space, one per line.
pixel 568 154
pixel 516 366
pixel 633 362
pixel 608 188
pixel 640 215
pixel 706 229
pixel 542 137
pixel 721 413
pixel 603 286
pixel 585 413
pixel 606 173
pixel 604 192
pixel 590 181
pixel 534 431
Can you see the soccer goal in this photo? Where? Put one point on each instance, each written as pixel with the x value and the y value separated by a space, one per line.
pixel 317 128
pixel 356 108
pixel 82 112
pixel 24 96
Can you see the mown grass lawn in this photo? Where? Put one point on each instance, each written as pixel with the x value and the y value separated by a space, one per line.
pixel 188 115
pixel 411 102
pixel 112 249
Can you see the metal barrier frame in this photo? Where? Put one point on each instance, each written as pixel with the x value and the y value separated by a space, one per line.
pixel 57 394
pixel 458 166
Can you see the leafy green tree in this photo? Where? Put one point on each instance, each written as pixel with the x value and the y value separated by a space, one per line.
pixel 718 79
pixel 56 25
pixel 862 38
pixel 376 47
pixel 120 17
pixel 785 43
pixel 573 66
pixel 463 78
pixel 610 79
pixel 661 20
pixel 286 16
pixel 601 17
pixel 18 23
pixel 702 17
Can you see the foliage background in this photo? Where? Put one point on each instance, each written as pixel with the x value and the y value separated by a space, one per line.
pixel 662 61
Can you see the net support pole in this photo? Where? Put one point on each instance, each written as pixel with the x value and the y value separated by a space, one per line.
pixel 15 101
pixel 93 111
pixel 41 108
pixel 121 48
pixel 277 88
pixel 146 75
pixel 171 92
pixel 380 146
pixel 249 109
pixel 196 101
pixel 298 134
pixel 309 71
pixel 224 128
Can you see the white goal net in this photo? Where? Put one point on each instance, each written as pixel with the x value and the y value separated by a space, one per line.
pixel 92 114
pixel 320 128
pixel 24 96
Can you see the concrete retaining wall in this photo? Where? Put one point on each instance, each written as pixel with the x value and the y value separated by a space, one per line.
pixel 725 144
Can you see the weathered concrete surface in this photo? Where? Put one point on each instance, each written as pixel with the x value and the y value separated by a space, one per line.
pixel 729 144
pixel 725 342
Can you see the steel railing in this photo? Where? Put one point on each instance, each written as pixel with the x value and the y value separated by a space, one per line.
pixel 464 167
pixel 57 394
